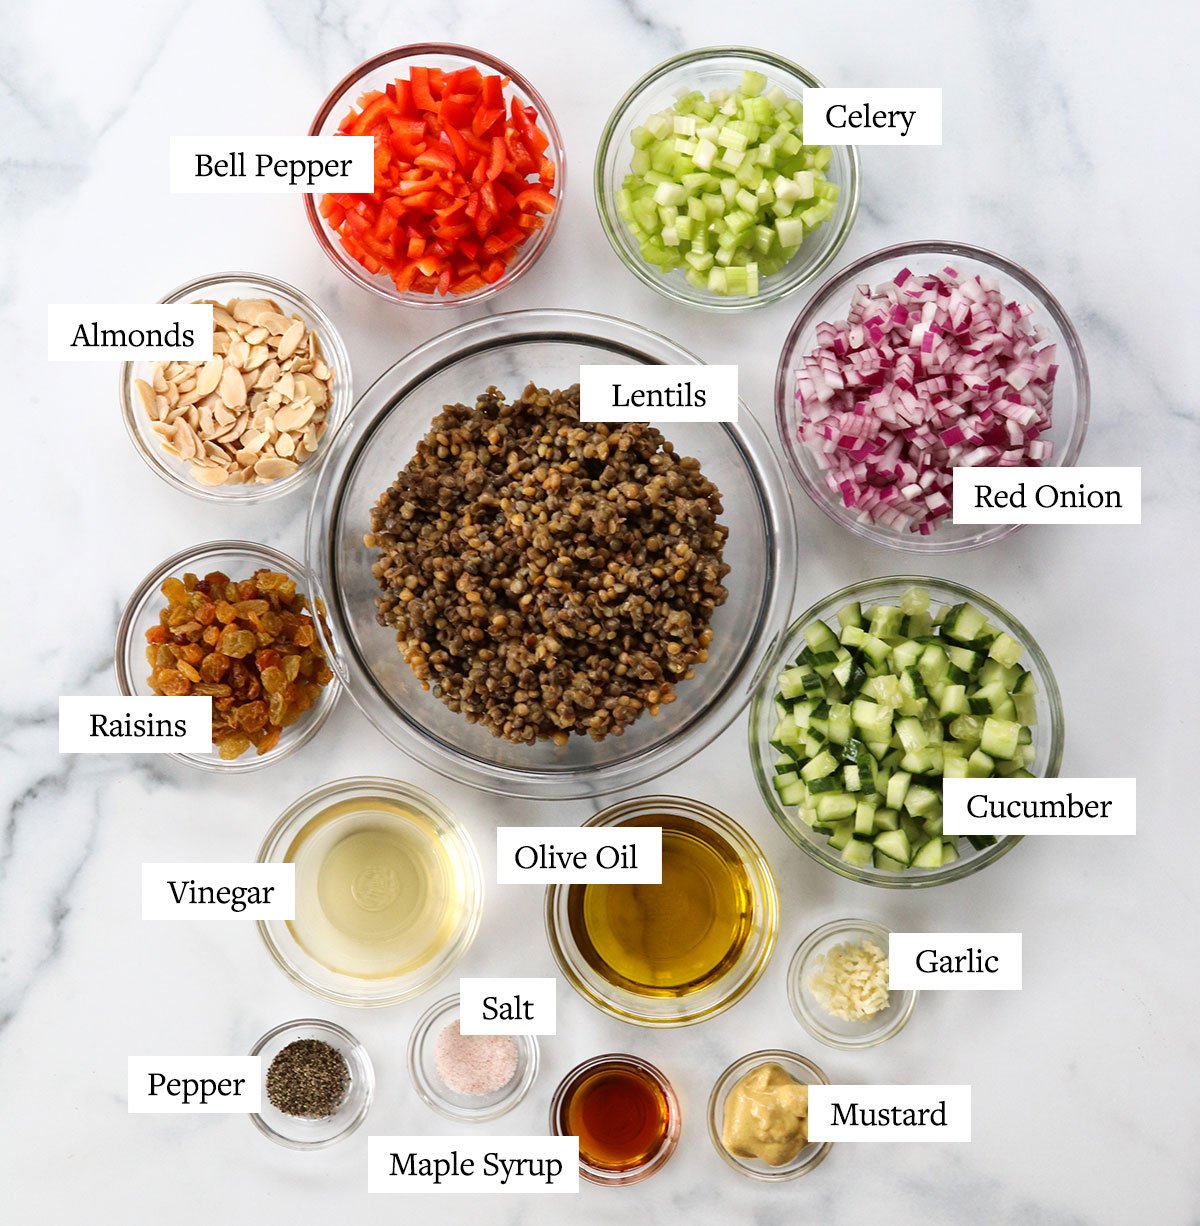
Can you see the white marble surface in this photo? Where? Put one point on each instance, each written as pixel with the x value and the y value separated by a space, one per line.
pixel 1064 148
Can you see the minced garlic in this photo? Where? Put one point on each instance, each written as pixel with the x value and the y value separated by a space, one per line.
pixel 851 981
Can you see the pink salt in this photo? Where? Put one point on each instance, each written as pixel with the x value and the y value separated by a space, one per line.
pixel 474 1064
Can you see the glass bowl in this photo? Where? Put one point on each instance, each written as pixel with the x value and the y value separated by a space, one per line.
pixel 812 1155
pixel 297 1132
pixel 707 69
pixel 560 1126
pixel 1048 736
pixel 376 74
pixel 698 1004
pixel 464 884
pixel 239 560
pixel 809 1012
pixel 433 1091
pixel 1072 396
pixel 381 435
pixel 221 287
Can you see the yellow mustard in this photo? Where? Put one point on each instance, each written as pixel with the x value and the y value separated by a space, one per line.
pixel 766 1116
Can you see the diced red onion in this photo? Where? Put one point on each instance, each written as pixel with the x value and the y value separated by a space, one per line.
pixel 924 374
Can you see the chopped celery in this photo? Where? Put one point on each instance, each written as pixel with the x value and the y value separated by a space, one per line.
pixel 724 189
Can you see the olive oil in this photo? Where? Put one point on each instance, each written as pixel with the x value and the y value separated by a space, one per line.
pixel 377 894
pixel 676 937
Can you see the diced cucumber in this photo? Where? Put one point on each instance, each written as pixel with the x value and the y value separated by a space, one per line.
pixel 1000 737
pixel 895 845
pixel 883 704
pixel 858 852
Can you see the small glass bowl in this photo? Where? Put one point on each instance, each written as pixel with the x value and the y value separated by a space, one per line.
pixel 294 1131
pixel 559 1124
pixel 510 350
pixel 699 1005
pixel 378 73
pixel 343 989
pixel 433 1091
pixel 1048 735
pixel 707 69
pixel 221 287
pixel 1072 395
pixel 835 1032
pixel 812 1155
pixel 239 560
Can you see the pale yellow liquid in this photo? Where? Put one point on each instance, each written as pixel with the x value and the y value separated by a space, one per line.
pixel 378 894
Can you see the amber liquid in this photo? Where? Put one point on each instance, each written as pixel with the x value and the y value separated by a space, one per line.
pixel 676 937
pixel 620 1115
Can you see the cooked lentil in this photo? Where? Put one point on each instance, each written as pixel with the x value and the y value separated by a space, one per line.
pixel 545 576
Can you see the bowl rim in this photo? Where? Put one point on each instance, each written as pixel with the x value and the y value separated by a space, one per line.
pixel 358 1054
pixel 757 452
pixel 720 1091
pixel 819 305
pixel 653 1164
pixel 766 897
pixel 536 244
pixel 325 794
pixel 314 719
pixel 528 1057
pixel 873 1034
pixel 612 225
pixel 335 351
pixel 764 693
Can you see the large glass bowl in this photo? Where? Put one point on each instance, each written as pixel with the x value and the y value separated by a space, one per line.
pixel 1047 735
pixel 1072 395
pixel 378 73
pixel 380 437
pixel 657 1009
pixel 707 69
pixel 222 287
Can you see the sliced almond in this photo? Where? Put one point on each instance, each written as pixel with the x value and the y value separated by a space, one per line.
pixel 247 310
pixel 209 376
pixel 233 388
pixel 285 446
pixel 291 339
pixel 146 393
pixel 296 415
pixel 258 355
pixel 271 468
pixel 269 375
pixel 210 475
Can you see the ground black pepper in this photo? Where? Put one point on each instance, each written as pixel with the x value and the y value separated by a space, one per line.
pixel 308 1078
pixel 547 576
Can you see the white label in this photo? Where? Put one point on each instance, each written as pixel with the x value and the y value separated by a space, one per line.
pixel 1039 806
pixel 872 116
pixel 473 1164
pixel 889 1113
pixel 1047 496
pixel 954 961
pixel 546 855
pixel 508 1006
pixel 88 724
pixel 658 393
pixel 206 1085
pixel 272 164
pixel 129 332
pixel 218 891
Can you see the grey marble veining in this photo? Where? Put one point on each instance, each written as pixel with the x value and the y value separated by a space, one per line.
pixel 1068 138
